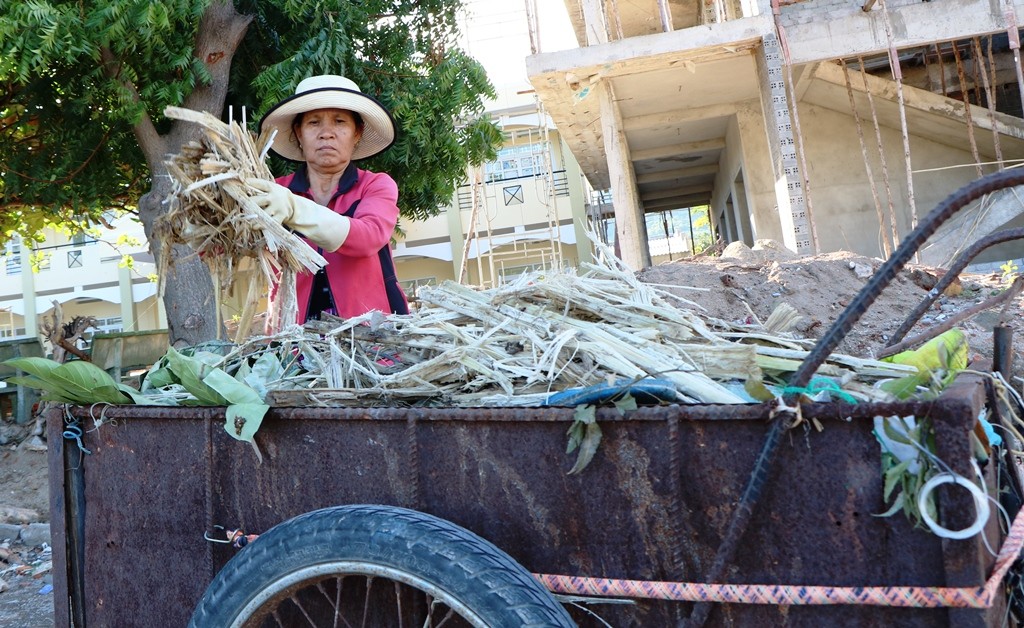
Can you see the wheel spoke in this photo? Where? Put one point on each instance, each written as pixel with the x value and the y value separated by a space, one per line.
pixel 398 601
pixel 302 609
pixel 430 614
pixel 338 597
pixel 366 605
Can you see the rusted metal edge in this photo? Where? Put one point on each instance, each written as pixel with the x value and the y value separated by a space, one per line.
pixel 702 412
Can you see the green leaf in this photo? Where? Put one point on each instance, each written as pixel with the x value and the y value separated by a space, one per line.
pixel 232 390
pixel 241 420
pixel 576 431
pixel 904 387
pixel 141 399
pixel 158 378
pixel 588 448
pixel 97 385
pixel 53 392
pixel 756 389
pixel 895 508
pixel 190 372
pixel 582 417
pixel 892 476
pixel 625 403
pixel 585 414
pixel 75 382
pixel 40 367
pixel 899 437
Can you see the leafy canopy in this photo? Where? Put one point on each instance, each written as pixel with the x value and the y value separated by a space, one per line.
pixel 80 77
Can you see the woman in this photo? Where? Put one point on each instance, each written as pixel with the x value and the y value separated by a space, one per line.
pixel 348 214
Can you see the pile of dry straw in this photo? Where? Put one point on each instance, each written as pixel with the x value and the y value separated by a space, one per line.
pixel 211 211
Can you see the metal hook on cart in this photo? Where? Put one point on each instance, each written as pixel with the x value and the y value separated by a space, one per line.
pixel 235 538
pixel 206 535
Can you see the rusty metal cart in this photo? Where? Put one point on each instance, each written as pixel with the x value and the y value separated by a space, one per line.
pixel 669 490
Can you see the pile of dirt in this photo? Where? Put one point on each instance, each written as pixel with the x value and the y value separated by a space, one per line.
pixel 744 285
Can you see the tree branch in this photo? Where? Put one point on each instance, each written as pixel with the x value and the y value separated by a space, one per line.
pixel 149 139
pixel 220 33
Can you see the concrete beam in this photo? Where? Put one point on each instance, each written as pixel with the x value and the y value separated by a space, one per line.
pixel 672 118
pixel 686 148
pixel 647 52
pixel 860 33
pixel 923 101
pixel 678 173
pixel 690 189
pixel 689 200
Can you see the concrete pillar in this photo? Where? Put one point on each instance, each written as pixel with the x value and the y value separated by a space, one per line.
pixel 28 288
pixel 594 23
pixel 789 190
pixel 577 206
pixel 124 285
pixel 630 227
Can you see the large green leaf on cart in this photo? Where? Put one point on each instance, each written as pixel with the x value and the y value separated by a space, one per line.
pixel 245 410
pixel 191 372
pixel 77 382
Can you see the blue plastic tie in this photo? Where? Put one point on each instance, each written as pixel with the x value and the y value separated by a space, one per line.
pixel 821 384
pixel 74 432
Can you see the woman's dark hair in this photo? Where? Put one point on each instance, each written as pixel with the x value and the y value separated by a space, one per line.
pixel 297 121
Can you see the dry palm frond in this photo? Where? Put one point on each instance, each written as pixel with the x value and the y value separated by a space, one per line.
pixel 211 211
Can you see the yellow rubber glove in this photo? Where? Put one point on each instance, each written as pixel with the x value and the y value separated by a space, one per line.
pixel 321 225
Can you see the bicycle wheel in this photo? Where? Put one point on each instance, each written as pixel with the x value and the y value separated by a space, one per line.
pixel 374 566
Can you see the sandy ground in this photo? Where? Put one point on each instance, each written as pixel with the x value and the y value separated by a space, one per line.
pixel 742 286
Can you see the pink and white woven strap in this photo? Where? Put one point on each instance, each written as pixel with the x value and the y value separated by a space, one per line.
pixel 917 597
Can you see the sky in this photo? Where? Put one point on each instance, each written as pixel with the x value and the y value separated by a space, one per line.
pixel 496 34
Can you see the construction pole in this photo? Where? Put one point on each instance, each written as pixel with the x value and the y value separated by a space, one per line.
pixel 666 16
pixel 532 26
pixel 881 152
pixel 897 74
pixel 471 231
pixel 965 95
pixel 883 231
pixel 990 93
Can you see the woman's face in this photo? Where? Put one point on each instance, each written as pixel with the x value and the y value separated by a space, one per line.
pixel 327 138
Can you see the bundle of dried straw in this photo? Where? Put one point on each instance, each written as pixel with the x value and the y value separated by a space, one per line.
pixel 541 333
pixel 211 211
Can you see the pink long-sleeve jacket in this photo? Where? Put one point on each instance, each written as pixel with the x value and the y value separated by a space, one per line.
pixel 361 273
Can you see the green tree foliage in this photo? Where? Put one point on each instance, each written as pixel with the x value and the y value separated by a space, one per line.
pixel 86 83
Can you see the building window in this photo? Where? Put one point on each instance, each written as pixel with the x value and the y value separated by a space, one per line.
pixel 409 287
pixel 74 259
pixel 508 273
pixel 13 255
pixel 514 195
pixel 82 239
pixel 524 160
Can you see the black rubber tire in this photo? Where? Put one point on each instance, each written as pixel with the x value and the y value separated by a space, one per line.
pixel 422 551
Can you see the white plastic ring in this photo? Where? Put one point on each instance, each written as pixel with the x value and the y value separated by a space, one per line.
pixel 980 505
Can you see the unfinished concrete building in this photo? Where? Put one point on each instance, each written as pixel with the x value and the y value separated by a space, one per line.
pixel 823 124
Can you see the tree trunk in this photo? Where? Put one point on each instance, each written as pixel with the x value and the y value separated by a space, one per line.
pixel 188 289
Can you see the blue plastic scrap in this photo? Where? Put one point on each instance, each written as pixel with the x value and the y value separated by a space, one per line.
pixel 645 391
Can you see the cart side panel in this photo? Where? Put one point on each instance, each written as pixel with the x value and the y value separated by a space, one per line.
pixel 653 504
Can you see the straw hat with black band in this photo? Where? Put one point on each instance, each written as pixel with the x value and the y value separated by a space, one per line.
pixel 330 91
